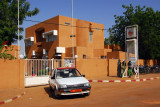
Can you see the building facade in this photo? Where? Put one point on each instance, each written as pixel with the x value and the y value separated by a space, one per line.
pixel 53 39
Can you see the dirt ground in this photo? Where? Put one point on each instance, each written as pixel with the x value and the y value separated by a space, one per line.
pixel 134 94
pixel 8 93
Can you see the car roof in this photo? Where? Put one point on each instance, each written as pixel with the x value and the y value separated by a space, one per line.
pixel 66 68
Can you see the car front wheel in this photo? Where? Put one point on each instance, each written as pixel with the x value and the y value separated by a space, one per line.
pixel 50 88
pixel 56 95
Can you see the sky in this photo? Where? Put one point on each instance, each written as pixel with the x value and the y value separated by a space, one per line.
pixel 99 11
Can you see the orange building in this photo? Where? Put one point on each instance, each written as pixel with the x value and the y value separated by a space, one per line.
pixel 53 39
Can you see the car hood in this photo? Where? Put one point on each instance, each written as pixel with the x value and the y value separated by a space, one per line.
pixel 72 81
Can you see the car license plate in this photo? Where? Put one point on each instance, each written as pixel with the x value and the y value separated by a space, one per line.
pixel 75 90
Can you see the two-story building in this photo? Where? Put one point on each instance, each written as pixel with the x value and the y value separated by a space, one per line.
pixel 53 39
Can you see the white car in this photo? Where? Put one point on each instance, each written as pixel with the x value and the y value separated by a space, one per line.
pixel 68 81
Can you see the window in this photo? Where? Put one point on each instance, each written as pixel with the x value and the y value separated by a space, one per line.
pixel 84 56
pixel 90 36
pixel 67 73
pixel 50 38
pixel 67 23
pixel 29 43
pixel 50 35
pixel 46 52
pixel 103 57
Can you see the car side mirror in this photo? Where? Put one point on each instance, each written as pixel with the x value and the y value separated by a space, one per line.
pixel 83 75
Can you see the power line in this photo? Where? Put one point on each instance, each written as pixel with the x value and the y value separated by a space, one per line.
pixel 63 24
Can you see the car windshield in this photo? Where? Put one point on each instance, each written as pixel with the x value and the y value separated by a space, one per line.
pixel 66 73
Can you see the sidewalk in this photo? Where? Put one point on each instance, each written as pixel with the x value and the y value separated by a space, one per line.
pixel 10 94
pixel 141 76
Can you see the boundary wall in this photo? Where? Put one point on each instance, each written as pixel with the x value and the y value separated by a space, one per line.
pixel 93 67
pixel 113 64
pixel 112 67
pixel 12 73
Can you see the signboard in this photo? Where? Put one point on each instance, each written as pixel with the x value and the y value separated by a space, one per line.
pixel 131 32
pixel 131 47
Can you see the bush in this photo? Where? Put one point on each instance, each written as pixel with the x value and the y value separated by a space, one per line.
pixel 43 72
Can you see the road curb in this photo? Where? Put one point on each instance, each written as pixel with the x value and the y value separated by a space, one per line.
pixel 134 80
pixel 10 100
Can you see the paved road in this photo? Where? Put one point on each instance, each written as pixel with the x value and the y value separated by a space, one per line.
pixel 135 94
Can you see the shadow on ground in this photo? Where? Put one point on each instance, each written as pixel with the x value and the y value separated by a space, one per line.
pixel 51 95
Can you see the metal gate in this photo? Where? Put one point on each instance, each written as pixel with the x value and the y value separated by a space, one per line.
pixel 37 71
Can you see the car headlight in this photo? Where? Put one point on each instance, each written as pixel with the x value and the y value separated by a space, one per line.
pixel 86 84
pixel 63 86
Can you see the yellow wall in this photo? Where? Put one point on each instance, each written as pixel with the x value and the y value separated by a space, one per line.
pixel 113 67
pixel 12 74
pixel 93 67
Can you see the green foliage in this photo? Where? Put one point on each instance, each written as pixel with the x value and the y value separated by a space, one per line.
pixel 9 18
pixel 5 55
pixel 148 22
pixel 106 41
pixel 43 72
pixel 109 40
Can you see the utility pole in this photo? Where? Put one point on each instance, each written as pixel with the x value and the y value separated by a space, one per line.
pixel 72 33
pixel 18 31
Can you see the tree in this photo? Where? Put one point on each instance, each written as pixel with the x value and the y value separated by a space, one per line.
pixel 148 22
pixel 109 40
pixel 9 18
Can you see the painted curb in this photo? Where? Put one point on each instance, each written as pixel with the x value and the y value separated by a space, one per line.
pixel 10 100
pixel 134 80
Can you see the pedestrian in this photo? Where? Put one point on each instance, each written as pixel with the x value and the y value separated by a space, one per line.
pixel 119 68
pixel 123 67
pixel 129 69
